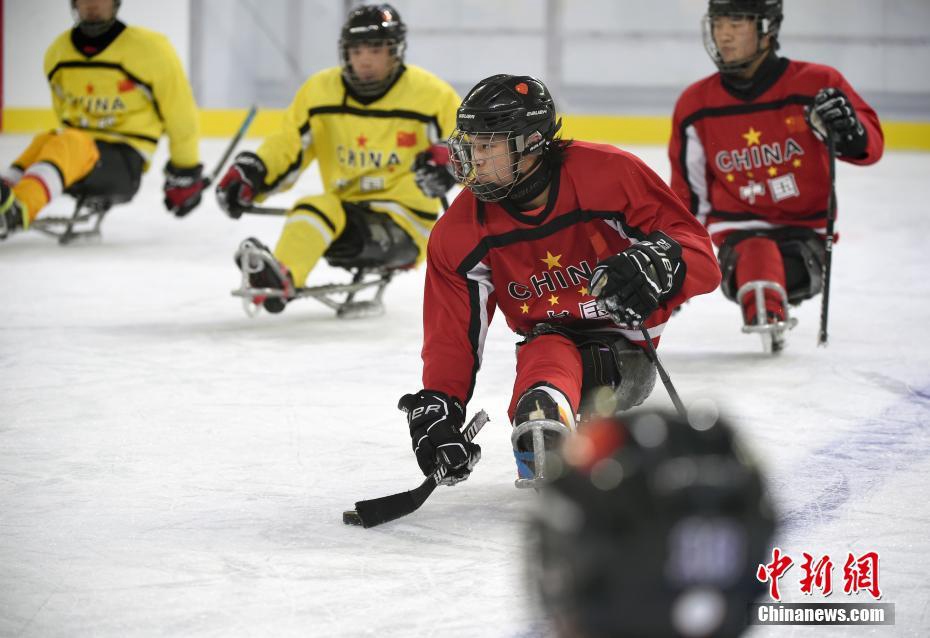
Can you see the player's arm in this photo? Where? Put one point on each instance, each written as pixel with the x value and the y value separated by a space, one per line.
pixel 679 181
pixel 178 109
pixel 457 308
pixel 288 152
pixel 184 181
pixel 432 169
pixel 275 166
pixel 673 263
pixel 51 58
pixel 841 113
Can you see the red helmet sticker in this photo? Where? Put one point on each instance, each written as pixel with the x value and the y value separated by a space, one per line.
pixel 522 88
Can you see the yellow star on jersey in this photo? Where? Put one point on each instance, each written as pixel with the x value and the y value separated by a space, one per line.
pixel 525 309
pixel 773 171
pixel 750 175
pixel 796 163
pixel 583 291
pixel 730 177
pixel 552 260
pixel 553 301
pixel 752 137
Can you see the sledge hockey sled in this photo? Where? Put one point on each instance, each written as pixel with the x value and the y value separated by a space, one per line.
pixel 771 333
pixel 84 222
pixel 373 250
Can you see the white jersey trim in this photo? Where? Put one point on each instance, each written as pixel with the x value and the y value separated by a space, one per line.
pixel 49 176
pixel 304 218
pixel 397 209
pixel 481 274
pixel 696 161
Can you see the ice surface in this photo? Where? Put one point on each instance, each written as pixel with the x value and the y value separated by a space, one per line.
pixel 170 467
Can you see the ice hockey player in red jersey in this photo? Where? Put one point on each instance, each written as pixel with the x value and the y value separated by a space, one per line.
pixel 578 245
pixel 748 158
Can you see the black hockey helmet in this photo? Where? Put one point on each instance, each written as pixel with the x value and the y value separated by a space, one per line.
pixel 96 27
pixel 653 527
pixel 373 24
pixel 767 15
pixel 516 109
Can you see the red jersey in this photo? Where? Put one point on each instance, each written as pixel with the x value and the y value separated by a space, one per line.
pixel 747 165
pixel 535 266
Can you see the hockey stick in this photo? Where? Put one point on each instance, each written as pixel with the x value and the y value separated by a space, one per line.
pixel 666 380
pixel 387 508
pixel 246 123
pixel 828 245
pixel 280 212
pixel 263 210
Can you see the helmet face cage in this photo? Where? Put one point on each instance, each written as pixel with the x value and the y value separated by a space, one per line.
pixel 502 120
pixel 373 26
pixel 765 26
pixel 487 162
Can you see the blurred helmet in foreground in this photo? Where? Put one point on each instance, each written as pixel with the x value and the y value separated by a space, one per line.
pixel 654 527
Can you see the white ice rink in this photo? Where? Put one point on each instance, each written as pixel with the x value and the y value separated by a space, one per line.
pixel 170 467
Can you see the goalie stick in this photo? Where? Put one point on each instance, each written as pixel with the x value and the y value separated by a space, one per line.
pixel 387 508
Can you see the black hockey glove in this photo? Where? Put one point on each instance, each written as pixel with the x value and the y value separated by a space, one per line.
pixel 183 187
pixel 242 182
pixel 630 286
pixel 435 421
pixel 832 115
pixel 433 172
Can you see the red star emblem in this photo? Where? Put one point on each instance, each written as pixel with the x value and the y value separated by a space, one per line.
pixel 362 140
pixel 90 89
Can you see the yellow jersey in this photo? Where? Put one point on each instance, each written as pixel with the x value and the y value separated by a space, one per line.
pixel 365 150
pixel 132 91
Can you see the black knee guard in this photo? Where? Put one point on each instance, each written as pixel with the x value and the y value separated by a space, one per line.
pixel 804 261
pixel 616 375
pixel 802 251
pixel 371 240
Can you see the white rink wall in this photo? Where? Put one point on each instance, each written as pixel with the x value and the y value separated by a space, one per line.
pixel 240 52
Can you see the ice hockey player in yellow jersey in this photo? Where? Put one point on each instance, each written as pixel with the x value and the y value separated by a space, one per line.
pixel 367 123
pixel 115 90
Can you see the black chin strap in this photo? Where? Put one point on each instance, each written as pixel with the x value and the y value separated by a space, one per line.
pixel 532 186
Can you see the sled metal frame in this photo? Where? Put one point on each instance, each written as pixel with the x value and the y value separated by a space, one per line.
pixel 772 334
pixel 339 297
pixel 538 428
pixel 84 222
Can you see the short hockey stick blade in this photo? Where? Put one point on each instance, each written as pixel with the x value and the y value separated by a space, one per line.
pixel 388 508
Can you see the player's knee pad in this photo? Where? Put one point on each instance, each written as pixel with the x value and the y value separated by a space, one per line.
pixel 804 260
pixel 371 240
pixel 617 376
